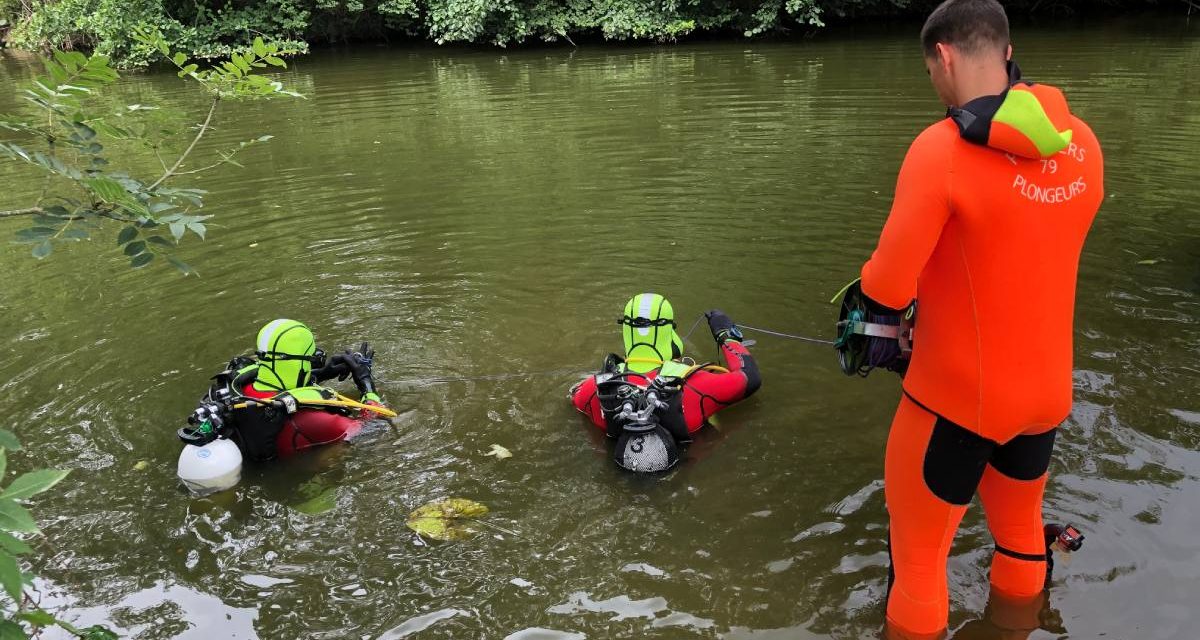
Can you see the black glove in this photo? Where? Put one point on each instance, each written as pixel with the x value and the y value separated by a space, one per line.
pixel 722 327
pixel 359 363
pixel 335 367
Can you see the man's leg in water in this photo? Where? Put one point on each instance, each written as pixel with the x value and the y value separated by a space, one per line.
pixel 931 471
pixel 1011 492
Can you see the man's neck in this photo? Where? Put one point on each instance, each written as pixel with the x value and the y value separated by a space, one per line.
pixel 984 78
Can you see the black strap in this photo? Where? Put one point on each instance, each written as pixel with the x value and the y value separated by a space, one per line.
pixel 1029 557
pixel 643 323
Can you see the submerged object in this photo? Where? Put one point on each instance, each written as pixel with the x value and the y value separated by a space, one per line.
pixel 211 467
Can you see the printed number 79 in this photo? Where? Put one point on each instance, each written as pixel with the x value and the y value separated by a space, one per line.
pixel 1049 166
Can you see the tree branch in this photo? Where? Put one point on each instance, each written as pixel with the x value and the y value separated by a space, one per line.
pixel 20 212
pixel 188 151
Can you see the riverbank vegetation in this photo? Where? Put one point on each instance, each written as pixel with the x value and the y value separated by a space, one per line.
pixel 86 147
pixel 208 28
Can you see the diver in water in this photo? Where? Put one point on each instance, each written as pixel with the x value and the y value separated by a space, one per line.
pixel 272 405
pixel 651 401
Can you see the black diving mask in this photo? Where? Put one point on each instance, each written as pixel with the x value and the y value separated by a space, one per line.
pixel 644 323
pixel 317 359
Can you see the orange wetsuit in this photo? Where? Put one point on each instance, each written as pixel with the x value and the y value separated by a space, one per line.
pixel 991 210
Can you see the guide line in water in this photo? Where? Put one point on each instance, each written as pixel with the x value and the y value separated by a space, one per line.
pixel 558 372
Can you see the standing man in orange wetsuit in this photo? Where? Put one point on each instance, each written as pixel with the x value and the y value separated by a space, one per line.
pixel 991 210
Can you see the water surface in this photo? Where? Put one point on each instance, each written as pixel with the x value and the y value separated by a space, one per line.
pixel 489 212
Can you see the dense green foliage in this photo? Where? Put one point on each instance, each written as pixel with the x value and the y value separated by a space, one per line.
pixel 209 28
pixel 71 131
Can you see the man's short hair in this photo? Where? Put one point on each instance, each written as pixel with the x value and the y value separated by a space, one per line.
pixel 972 26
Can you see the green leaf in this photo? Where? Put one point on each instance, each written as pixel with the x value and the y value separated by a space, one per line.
pixel 197 228
pixel 263 138
pixel 141 260
pixel 75 233
pixel 177 230
pixel 106 188
pixel 57 73
pixel 78 61
pixel 179 58
pixel 98 632
pixel 42 250
pixel 181 265
pixel 85 132
pixel 161 241
pixel 38 618
pixel 8 440
pixel 10 630
pixel 64 88
pixel 13 544
pixel 189 69
pixel 56 210
pixel 3 462
pixel 43 220
pixel 259 48
pixel 33 483
pixel 272 60
pixel 127 234
pixel 14 517
pixel 134 248
pixel 10 576
pixel 34 234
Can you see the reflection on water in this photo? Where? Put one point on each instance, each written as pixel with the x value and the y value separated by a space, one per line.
pixel 485 213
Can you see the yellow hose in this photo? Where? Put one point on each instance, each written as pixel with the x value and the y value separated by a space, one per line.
pixel 342 401
pixel 383 411
pixel 715 368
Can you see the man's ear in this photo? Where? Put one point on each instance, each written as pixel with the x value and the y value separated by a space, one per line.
pixel 1008 54
pixel 945 55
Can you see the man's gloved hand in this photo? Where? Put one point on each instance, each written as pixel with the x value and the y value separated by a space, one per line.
pixel 359 364
pixel 335 367
pixel 722 327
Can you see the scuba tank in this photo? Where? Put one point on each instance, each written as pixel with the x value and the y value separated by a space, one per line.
pixel 209 462
pixel 640 419
pixel 212 467
pixel 226 425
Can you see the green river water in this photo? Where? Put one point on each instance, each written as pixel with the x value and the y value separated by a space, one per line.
pixel 487 212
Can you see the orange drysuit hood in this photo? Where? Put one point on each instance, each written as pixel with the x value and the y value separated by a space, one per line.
pixel 1028 120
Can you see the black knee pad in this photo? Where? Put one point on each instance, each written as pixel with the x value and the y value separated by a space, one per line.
pixel 1024 457
pixel 954 461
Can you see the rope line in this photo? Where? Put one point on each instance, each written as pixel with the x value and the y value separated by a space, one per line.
pixel 787 335
pixel 559 372
pixel 694 325
pixel 491 376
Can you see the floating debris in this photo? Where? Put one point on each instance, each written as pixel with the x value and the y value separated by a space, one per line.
pixel 499 451
pixel 448 519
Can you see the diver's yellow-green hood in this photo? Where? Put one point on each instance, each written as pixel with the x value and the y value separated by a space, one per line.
pixel 284 348
pixel 648 329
